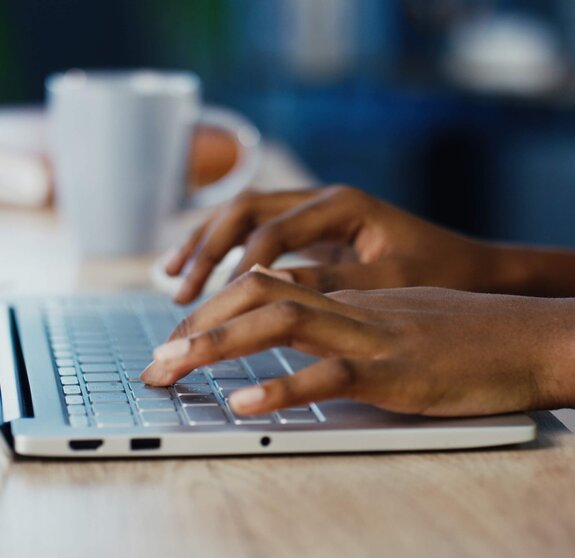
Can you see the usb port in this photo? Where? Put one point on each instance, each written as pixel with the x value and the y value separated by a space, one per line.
pixel 145 443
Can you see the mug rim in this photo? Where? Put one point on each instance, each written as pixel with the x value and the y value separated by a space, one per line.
pixel 141 81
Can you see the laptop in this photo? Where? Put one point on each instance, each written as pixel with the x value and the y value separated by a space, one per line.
pixel 70 388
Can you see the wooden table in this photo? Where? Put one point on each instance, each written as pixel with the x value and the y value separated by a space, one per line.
pixel 510 502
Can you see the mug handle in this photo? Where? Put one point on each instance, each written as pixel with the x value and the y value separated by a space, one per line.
pixel 248 140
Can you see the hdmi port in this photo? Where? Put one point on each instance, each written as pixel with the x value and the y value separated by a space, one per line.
pixel 83 445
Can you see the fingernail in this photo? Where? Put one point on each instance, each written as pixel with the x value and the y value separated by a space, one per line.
pixel 172 350
pixel 277 273
pixel 247 399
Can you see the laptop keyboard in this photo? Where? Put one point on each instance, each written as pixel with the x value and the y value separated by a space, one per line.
pixel 100 349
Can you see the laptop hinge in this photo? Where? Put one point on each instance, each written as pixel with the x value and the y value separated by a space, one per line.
pixel 11 405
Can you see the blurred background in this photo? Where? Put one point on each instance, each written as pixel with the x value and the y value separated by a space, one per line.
pixel 459 110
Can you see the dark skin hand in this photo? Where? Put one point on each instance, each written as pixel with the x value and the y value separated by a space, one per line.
pixel 428 351
pixel 392 247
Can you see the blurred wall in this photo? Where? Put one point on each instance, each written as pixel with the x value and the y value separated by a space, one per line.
pixel 358 88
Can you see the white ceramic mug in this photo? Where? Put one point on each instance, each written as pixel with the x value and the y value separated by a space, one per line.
pixel 119 143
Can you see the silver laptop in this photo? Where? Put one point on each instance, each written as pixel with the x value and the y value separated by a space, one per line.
pixel 70 387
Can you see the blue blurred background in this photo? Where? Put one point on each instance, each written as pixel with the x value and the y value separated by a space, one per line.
pixel 459 110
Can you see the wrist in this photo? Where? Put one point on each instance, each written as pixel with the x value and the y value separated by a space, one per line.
pixel 532 271
pixel 556 370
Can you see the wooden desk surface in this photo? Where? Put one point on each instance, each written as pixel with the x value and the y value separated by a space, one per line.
pixel 510 502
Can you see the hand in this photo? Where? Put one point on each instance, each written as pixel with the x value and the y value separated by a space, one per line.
pixel 393 248
pixel 425 351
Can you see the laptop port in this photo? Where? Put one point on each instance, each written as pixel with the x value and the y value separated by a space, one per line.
pixel 83 445
pixel 145 443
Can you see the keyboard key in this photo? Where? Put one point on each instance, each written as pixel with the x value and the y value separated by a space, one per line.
pixel 104 377
pixel 61 346
pixel 265 365
pixel 193 389
pixel 74 400
pixel 263 419
pixel 288 416
pixel 160 418
pixel 67 371
pixel 139 356
pixel 111 409
pixel 63 354
pixel 91 347
pixel 97 359
pixel 103 351
pixel 64 362
pixel 72 390
pixel 205 414
pixel 156 405
pixel 77 421
pixel 195 377
pixel 135 364
pixel 76 410
pixel 197 399
pixel 233 384
pixel 146 392
pixel 229 373
pixel 68 380
pixel 97 368
pixel 104 386
pixel 114 421
pixel 107 397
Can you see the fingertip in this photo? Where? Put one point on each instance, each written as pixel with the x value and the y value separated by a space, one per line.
pixel 248 401
pixel 174 264
pixel 186 294
pixel 151 375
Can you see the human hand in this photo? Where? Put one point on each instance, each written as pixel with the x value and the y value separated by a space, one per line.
pixel 426 351
pixel 393 248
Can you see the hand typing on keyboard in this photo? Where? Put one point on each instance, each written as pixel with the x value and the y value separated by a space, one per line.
pixel 429 351
pixel 391 247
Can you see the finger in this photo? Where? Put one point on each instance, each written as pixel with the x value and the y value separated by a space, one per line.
pixel 325 217
pixel 283 323
pixel 179 259
pixel 230 229
pixel 333 378
pixel 251 291
pixel 382 382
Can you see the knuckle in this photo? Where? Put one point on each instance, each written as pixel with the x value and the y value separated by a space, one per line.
pixel 255 283
pixel 183 329
pixel 345 374
pixel 344 191
pixel 290 311
pixel 205 256
pixel 345 295
pixel 210 341
pixel 216 335
pixel 243 203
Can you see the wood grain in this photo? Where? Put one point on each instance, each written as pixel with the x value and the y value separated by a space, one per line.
pixel 514 502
